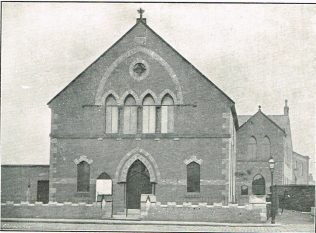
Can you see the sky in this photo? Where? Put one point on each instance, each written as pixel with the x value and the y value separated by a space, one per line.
pixel 257 54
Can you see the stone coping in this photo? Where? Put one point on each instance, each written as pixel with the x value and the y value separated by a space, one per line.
pixel 24 203
pixel 203 205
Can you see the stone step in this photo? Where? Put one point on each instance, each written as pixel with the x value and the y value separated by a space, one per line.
pixel 133 211
pixel 121 213
pixel 124 217
pixel 130 212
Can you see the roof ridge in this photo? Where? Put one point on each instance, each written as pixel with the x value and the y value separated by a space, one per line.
pixel 283 130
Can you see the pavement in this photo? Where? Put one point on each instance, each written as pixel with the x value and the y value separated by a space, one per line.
pixel 289 221
pixel 294 217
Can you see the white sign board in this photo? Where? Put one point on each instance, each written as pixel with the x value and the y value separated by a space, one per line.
pixel 104 187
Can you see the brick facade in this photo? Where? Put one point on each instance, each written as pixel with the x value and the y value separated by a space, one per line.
pixel 204 126
pixel 15 180
pixel 259 127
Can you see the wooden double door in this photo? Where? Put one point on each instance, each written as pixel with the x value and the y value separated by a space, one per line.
pixel 138 182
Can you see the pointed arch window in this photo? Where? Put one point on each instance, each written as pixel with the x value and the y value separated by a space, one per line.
pixel 83 177
pixel 130 115
pixel 149 115
pixel 252 148
pixel 167 114
pixel 266 147
pixel 193 177
pixel 111 110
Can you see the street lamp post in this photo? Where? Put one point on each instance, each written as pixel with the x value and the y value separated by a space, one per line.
pixel 271 166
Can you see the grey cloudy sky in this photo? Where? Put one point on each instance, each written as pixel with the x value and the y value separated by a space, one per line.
pixel 257 54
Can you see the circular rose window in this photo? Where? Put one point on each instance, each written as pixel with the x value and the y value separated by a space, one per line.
pixel 139 69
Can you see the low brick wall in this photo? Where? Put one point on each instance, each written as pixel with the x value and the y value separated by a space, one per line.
pixel 232 213
pixel 302 197
pixel 55 210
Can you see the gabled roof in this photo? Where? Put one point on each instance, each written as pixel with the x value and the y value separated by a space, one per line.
pixel 143 23
pixel 243 119
pixel 299 155
pixel 192 66
pixel 103 54
pixel 280 121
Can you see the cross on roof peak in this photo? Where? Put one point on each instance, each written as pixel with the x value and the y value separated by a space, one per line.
pixel 140 11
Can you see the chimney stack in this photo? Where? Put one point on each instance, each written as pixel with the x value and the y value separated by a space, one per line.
pixel 286 109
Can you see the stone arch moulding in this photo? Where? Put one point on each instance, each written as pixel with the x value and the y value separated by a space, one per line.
pixel 167 91
pixel 152 54
pixel 83 158
pixel 193 158
pixel 108 93
pixel 130 158
pixel 150 92
pixel 132 93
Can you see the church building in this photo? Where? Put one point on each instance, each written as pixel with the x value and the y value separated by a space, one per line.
pixel 142 119
pixel 148 120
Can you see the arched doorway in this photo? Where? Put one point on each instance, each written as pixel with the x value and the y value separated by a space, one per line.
pixel 258 185
pixel 138 182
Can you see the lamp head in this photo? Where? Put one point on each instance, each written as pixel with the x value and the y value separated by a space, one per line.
pixel 271 163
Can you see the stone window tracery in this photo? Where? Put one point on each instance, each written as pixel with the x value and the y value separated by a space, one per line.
pixel 139 69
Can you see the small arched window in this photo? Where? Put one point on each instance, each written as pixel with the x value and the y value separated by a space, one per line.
pixel 130 115
pixel 83 177
pixel 193 177
pixel 266 148
pixel 111 119
pixel 258 185
pixel 167 114
pixel 244 190
pixel 149 115
pixel 252 148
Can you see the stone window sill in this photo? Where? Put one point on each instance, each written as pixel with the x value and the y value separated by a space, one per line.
pixel 82 194
pixel 193 194
pixel 139 135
